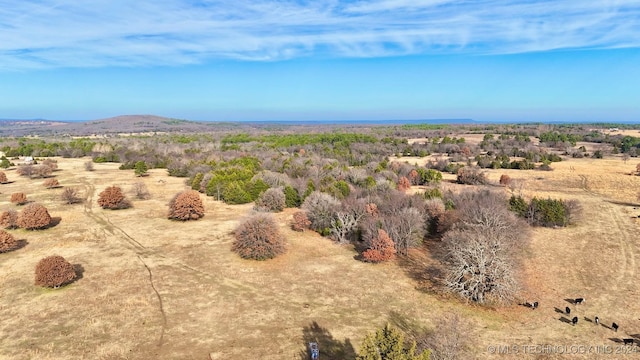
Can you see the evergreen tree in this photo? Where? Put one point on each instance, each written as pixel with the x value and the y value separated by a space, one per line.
pixel 388 344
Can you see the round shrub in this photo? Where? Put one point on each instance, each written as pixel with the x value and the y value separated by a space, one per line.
pixel 186 205
pixel 380 249
pixel 3 178
pixel 51 183
pixel 19 198
pixel 271 200
pixel 54 271
pixel 300 221
pixel 9 219
pixel 7 242
pixel 113 198
pixel 258 238
pixel 34 216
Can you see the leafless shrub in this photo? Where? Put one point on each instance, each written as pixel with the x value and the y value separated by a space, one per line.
pixel 573 209
pixel 19 198
pixel 113 198
pixel 7 242
pixel 51 183
pixel 273 199
pixel 343 225
pixel 140 191
pixel 258 238
pixel 186 205
pixel 321 208
pixel 404 184
pixel 34 216
pixel 42 171
pixel 88 166
pixel 50 163
pixel 54 271
pixel 300 221
pixel 25 170
pixel 70 196
pixel 471 176
pixel 449 340
pixel 9 219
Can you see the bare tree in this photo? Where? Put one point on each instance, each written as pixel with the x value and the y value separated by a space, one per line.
pixel 406 228
pixel 482 248
pixel 321 208
pixel 88 166
pixel 343 225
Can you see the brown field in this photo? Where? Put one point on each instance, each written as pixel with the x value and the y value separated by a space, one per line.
pixel 158 289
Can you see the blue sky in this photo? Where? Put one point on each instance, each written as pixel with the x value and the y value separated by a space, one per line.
pixel 489 60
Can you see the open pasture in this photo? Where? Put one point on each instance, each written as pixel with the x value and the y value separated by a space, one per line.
pixel 155 288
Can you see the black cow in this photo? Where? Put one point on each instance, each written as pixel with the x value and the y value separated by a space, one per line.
pixel 578 301
pixel 628 341
pixel 597 320
pixel 535 305
pixel 574 321
pixel 614 326
pixel 567 310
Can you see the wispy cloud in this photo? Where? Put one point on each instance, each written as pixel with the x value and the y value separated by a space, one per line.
pixel 71 33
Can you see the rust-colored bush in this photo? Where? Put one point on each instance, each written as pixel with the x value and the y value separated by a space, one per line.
pixel 372 209
pixel 9 219
pixel 7 242
pixel 113 198
pixel 34 216
pixel 258 238
pixel 186 205
pixel 300 221
pixel 404 184
pixel 3 178
pixel 54 271
pixel 19 198
pixel 50 163
pixel 381 248
pixel 505 180
pixel 51 183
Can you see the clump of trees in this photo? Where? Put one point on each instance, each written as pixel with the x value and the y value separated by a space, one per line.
pixel 546 212
pixel 388 343
pixel 482 248
pixel 258 238
pixel 34 216
pixel 381 248
pixel 54 271
pixel 9 219
pixel 186 205
pixel 113 198
pixel 19 198
pixel 471 176
pixel 7 242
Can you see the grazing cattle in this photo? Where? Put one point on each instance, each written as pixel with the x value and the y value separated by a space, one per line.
pixel 535 305
pixel 628 341
pixel 614 326
pixel 597 320
pixel 574 321
pixel 578 301
pixel 567 310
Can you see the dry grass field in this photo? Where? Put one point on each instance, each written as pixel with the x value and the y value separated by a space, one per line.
pixel 152 288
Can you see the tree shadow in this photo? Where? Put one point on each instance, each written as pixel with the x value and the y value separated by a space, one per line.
pixel 330 348
pixel 19 245
pixel 422 266
pixel 53 223
pixel 79 269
